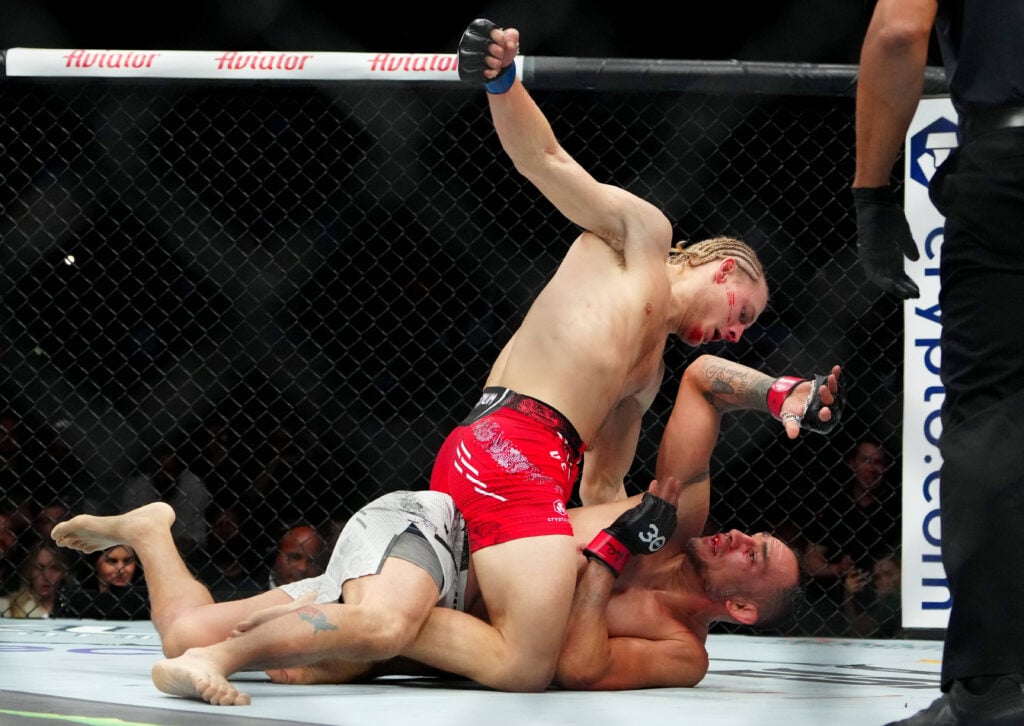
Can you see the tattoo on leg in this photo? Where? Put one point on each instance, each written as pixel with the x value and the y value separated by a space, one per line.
pixel 316 618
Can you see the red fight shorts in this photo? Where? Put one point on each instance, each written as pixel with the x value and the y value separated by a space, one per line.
pixel 510 468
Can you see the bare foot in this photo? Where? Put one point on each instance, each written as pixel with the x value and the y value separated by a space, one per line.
pixel 90 533
pixel 329 670
pixel 191 676
pixel 261 616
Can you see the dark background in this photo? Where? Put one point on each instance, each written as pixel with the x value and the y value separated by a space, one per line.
pixel 813 31
pixel 272 272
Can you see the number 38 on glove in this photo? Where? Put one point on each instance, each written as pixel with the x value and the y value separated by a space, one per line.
pixel 642 530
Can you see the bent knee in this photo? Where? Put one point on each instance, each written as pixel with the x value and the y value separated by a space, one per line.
pixel 175 640
pixel 182 634
pixel 524 676
pixel 388 636
pixel 533 682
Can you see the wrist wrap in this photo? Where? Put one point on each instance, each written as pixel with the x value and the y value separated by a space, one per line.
pixel 809 417
pixel 608 551
pixel 503 81
pixel 779 392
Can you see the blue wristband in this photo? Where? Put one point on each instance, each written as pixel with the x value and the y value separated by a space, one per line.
pixel 503 83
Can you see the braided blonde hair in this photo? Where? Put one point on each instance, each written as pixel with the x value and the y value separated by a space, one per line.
pixel 718 248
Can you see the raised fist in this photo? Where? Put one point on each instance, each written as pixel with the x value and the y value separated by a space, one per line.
pixel 474 52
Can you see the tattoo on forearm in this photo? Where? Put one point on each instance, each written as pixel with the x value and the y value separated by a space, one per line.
pixel 736 387
pixel 316 618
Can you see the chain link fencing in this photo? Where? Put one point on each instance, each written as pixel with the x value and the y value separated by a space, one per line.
pixel 269 303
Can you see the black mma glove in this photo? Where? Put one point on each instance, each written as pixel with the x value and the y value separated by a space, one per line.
pixel 783 389
pixel 638 531
pixel 473 54
pixel 883 238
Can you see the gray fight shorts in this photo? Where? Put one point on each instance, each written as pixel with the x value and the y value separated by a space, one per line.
pixel 421 527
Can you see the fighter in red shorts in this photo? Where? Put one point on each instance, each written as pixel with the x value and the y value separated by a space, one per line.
pixel 510 467
pixel 577 375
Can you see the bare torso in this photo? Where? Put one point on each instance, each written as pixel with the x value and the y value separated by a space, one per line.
pixel 651 600
pixel 594 336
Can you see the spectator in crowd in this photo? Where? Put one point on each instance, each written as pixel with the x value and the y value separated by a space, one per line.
pixel 42 571
pixel 111 589
pixel 284 484
pixel 215 454
pixel 335 524
pixel 9 578
pixel 164 477
pixel 871 599
pixel 851 530
pixel 17 479
pixel 10 436
pixel 47 517
pixel 229 558
pixel 300 553
pixel 37 466
pixel 269 466
pixel 261 464
pixel 61 474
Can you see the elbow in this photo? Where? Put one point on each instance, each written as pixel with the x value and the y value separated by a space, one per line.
pixel 601 490
pixel 539 163
pixel 525 169
pixel 525 676
pixel 902 38
pixel 690 677
pixel 702 671
pixel 695 374
pixel 571 679
pixel 574 674
pixel 691 682
pixel 696 369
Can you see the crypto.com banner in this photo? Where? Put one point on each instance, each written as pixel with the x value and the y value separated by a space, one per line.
pixel 930 138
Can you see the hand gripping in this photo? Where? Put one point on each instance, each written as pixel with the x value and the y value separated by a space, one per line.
pixel 783 389
pixel 473 53
pixel 638 531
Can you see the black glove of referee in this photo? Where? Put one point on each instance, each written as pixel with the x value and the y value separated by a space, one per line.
pixel 883 238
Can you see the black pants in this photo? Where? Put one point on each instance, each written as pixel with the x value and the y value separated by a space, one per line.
pixel 980 190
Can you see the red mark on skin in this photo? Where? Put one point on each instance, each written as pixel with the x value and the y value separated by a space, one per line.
pixel 647 309
pixel 732 304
